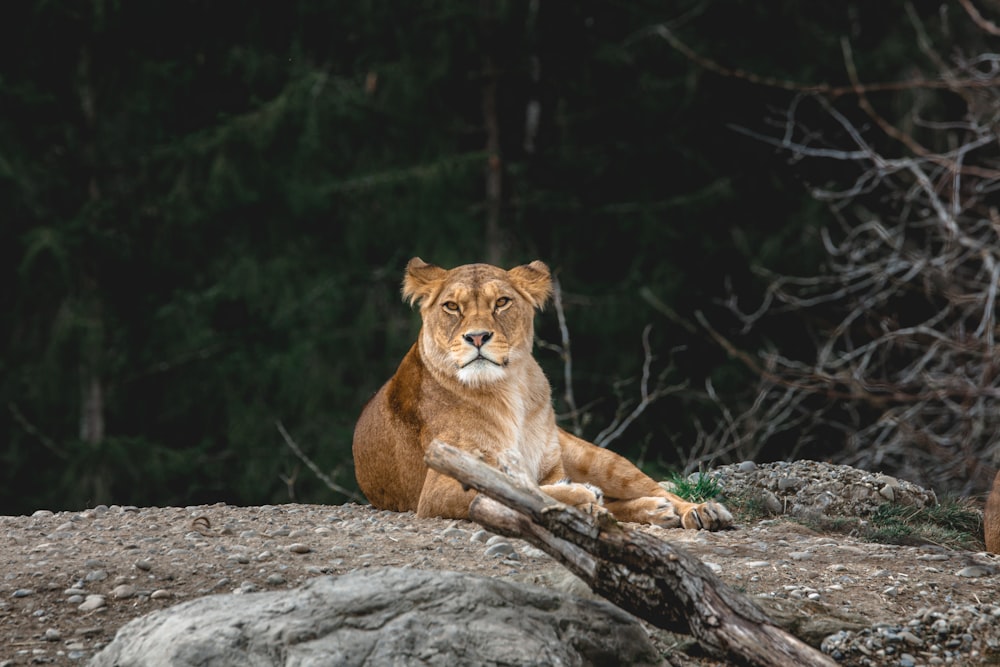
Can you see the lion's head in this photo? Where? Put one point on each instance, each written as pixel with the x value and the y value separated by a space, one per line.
pixel 478 319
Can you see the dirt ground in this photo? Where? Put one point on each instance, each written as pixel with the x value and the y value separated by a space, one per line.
pixel 71 579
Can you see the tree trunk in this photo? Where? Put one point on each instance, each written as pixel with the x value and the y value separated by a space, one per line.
pixel 92 393
pixel 491 122
pixel 642 574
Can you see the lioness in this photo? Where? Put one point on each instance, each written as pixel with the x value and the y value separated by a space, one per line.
pixel 471 381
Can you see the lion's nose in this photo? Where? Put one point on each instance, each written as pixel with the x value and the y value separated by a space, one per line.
pixel 478 338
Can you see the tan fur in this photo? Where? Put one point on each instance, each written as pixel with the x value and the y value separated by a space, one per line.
pixel 991 517
pixel 470 381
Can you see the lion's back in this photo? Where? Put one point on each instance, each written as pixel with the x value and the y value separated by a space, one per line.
pixel 388 457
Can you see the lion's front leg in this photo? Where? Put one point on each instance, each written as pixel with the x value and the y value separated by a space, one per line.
pixel 584 497
pixel 443 496
pixel 671 511
pixel 631 495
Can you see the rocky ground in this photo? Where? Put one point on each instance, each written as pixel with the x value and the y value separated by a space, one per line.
pixel 71 579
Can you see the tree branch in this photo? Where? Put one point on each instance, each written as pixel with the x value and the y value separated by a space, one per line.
pixel 333 486
pixel 642 574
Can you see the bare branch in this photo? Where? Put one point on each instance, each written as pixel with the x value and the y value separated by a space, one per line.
pixel 34 431
pixel 906 367
pixel 647 397
pixel 565 351
pixel 333 486
pixel 987 26
pixel 664 32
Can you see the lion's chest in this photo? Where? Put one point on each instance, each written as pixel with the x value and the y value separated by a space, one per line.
pixel 510 422
pixel 531 443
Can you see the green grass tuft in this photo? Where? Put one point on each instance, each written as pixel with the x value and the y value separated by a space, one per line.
pixel 702 489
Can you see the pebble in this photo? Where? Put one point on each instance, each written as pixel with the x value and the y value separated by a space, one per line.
pixel 790 483
pixel 123 592
pixel 40 514
pixel 160 594
pixel 501 550
pixel 532 552
pixel 973 571
pixel 143 564
pixel 52 635
pixel 299 548
pixel 23 592
pixel 92 602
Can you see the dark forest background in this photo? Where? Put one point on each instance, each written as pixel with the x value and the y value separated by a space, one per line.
pixel 207 208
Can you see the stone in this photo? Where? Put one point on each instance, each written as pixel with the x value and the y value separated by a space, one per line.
pixel 973 571
pixel 397 616
pixel 500 550
pixel 123 591
pixel 92 602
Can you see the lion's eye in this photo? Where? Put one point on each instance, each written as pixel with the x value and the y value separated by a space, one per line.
pixel 503 302
pixel 451 307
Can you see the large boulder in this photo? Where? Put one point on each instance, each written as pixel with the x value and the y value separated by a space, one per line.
pixel 390 616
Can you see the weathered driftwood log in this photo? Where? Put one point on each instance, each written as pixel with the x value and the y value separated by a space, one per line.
pixel 640 573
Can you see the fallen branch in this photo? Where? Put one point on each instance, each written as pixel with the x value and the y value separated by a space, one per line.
pixel 642 574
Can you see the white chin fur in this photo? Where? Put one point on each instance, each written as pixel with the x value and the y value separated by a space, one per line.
pixel 479 373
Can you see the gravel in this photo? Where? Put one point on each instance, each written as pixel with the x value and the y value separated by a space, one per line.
pixel 70 579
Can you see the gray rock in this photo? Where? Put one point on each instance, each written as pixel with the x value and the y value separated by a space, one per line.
pixel 123 591
pixel 390 616
pixel 500 550
pixel 92 602
pixel 973 571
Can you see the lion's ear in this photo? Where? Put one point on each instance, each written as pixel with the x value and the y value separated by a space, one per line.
pixel 422 281
pixel 534 281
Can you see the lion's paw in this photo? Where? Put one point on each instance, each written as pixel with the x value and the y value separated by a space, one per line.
pixel 581 496
pixel 707 516
pixel 653 510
